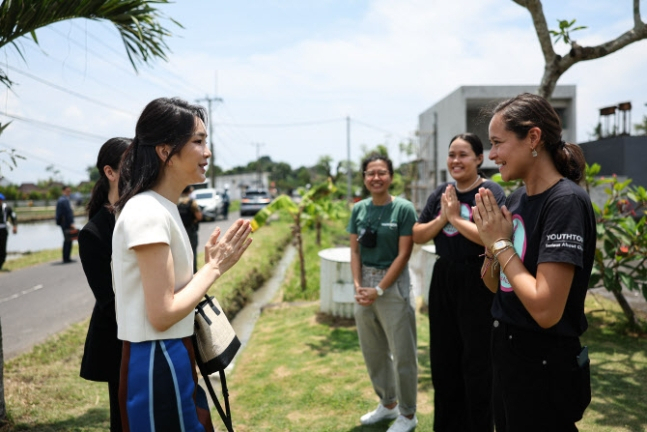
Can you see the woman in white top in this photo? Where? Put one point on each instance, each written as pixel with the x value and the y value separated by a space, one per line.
pixel 156 290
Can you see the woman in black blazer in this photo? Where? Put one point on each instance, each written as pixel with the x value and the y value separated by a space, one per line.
pixel 102 352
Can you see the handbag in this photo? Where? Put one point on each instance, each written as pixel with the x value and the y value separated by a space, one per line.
pixel 71 234
pixel 216 345
pixel 216 339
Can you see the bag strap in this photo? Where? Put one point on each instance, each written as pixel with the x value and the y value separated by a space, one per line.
pixel 225 415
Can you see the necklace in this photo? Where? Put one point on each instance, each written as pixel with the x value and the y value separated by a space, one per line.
pixel 386 203
pixel 478 179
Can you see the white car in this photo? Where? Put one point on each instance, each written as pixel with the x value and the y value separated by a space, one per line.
pixel 253 200
pixel 210 203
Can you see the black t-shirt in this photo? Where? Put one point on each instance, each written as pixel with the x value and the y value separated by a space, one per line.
pixel 557 225
pixel 451 244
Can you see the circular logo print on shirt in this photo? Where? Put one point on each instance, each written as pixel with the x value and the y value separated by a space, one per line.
pixel 466 213
pixel 519 241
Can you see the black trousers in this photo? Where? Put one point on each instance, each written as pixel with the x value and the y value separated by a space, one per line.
pixel 461 366
pixel 538 384
pixel 67 247
pixel 115 411
pixel 3 245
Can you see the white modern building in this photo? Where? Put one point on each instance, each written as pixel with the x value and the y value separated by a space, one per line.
pixel 465 110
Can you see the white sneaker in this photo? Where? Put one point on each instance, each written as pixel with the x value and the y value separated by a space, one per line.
pixel 403 424
pixel 380 413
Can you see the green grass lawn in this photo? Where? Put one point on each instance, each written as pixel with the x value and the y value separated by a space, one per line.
pixel 304 372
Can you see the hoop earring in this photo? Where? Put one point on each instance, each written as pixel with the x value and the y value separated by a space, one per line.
pixel 534 153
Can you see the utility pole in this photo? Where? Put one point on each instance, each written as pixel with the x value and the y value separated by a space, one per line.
pixel 258 164
pixel 349 172
pixel 212 159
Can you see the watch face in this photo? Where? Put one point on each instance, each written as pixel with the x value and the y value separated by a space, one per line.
pixel 499 245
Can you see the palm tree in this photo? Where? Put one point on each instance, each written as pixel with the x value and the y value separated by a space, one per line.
pixel 137 21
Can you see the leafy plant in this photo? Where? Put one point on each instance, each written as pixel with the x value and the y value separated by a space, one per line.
pixel 565 29
pixel 315 205
pixel 621 253
pixel 642 127
pixel 508 186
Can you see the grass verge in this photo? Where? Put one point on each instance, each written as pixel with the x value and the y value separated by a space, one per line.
pixel 304 372
pixel 43 390
pixel 35 258
pixel 333 234
pixel 236 286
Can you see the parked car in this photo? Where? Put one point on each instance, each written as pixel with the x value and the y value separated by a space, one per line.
pixel 253 200
pixel 210 203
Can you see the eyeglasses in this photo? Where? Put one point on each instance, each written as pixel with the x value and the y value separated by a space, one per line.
pixel 379 173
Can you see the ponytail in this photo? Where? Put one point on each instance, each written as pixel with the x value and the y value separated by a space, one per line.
pixel 569 160
pixel 525 111
pixel 109 155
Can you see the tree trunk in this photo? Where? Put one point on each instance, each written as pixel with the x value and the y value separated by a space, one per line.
pixel 626 308
pixel 552 73
pixel 3 410
pixel 556 65
pixel 302 260
pixel 318 228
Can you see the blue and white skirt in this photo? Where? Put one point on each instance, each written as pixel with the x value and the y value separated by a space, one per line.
pixel 159 388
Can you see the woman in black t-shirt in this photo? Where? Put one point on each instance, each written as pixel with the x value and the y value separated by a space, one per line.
pixel 541 246
pixel 459 302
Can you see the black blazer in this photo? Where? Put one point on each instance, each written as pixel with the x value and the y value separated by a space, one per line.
pixel 102 352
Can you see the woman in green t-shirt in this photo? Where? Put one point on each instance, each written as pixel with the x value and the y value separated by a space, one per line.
pixel 381 241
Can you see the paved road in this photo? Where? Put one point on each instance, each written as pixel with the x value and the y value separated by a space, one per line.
pixel 40 301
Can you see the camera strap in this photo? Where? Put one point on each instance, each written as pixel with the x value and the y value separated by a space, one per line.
pixel 379 218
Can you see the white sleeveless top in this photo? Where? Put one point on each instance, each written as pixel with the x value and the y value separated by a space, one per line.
pixel 147 218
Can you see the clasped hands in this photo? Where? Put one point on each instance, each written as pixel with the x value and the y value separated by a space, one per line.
pixel 450 207
pixel 223 253
pixel 365 296
pixel 492 222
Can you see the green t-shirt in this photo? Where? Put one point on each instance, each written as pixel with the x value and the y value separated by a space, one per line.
pixel 391 221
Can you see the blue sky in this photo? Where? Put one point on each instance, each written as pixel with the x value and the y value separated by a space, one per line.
pixel 290 71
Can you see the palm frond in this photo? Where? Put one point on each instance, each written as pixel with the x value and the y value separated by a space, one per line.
pixel 139 23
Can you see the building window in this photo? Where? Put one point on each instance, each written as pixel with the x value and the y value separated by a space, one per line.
pixel 443 176
pixel 561 112
pixel 478 124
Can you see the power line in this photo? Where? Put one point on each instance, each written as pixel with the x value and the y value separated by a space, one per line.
pixel 53 126
pixel 128 71
pixel 71 92
pixel 46 161
pixel 181 80
pixel 377 128
pixel 85 76
pixel 279 125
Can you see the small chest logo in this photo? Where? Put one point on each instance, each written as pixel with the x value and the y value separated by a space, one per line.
pixel 466 213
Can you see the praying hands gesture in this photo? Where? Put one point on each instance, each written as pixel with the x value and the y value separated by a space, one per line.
pixel 450 207
pixel 493 223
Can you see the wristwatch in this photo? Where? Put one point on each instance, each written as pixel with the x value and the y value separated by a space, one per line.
pixel 379 290
pixel 500 245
